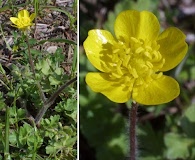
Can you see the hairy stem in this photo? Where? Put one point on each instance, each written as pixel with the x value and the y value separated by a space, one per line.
pixel 132 128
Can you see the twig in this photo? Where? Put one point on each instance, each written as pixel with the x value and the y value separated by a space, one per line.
pixel 51 100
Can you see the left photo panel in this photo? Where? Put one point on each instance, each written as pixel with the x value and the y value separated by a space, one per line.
pixel 38 79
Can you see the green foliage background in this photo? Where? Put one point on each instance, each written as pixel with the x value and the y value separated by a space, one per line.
pixel 164 132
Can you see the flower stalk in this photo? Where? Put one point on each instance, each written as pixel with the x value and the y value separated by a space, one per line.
pixel 31 62
pixel 132 129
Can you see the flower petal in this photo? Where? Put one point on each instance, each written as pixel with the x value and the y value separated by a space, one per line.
pixel 23 13
pixel 142 25
pixel 14 20
pixel 32 16
pixel 100 82
pixel 98 48
pixel 172 47
pixel 159 91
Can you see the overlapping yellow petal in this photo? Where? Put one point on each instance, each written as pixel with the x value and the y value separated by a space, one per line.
pixel 94 47
pixel 23 13
pixel 100 82
pixel 141 25
pixel 14 20
pixel 159 91
pixel 32 16
pixel 172 47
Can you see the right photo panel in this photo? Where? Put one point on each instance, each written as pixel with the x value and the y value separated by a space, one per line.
pixel 137 80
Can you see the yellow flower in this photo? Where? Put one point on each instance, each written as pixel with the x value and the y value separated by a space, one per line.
pixel 23 21
pixel 132 64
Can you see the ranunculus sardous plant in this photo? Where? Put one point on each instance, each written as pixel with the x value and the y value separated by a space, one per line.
pixel 132 63
pixel 23 21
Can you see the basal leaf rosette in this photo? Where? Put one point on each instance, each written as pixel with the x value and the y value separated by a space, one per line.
pixel 23 21
pixel 132 63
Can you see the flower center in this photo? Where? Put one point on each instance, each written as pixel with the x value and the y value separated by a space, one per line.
pixel 24 22
pixel 136 62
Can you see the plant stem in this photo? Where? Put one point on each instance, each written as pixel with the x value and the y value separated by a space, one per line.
pixel 6 149
pixel 7 44
pixel 51 100
pixel 132 128
pixel 33 70
pixel 35 144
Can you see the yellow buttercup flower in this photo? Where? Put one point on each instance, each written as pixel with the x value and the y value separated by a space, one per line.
pixel 132 63
pixel 23 21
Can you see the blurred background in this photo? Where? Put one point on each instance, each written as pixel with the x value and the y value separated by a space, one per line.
pixel 165 132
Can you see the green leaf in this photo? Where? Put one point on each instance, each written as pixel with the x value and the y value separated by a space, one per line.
pixel 151 158
pixel 51 122
pixel 21 113
pixel 44 66
pixel 2 104
pixel 74 61
pixel 71 141
pixel 32 41
pixel 109 139
pixel 149 136
pixel 54 80
pixel 34 140
pixel 188 121
pixel 57 40
pixel 58 71
pixel 50 149
pixel 177 146
pixel 58 57
pixel 13 137
pixel 24 133
pixel 2 71
pixel 35 52
pixel 71 104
